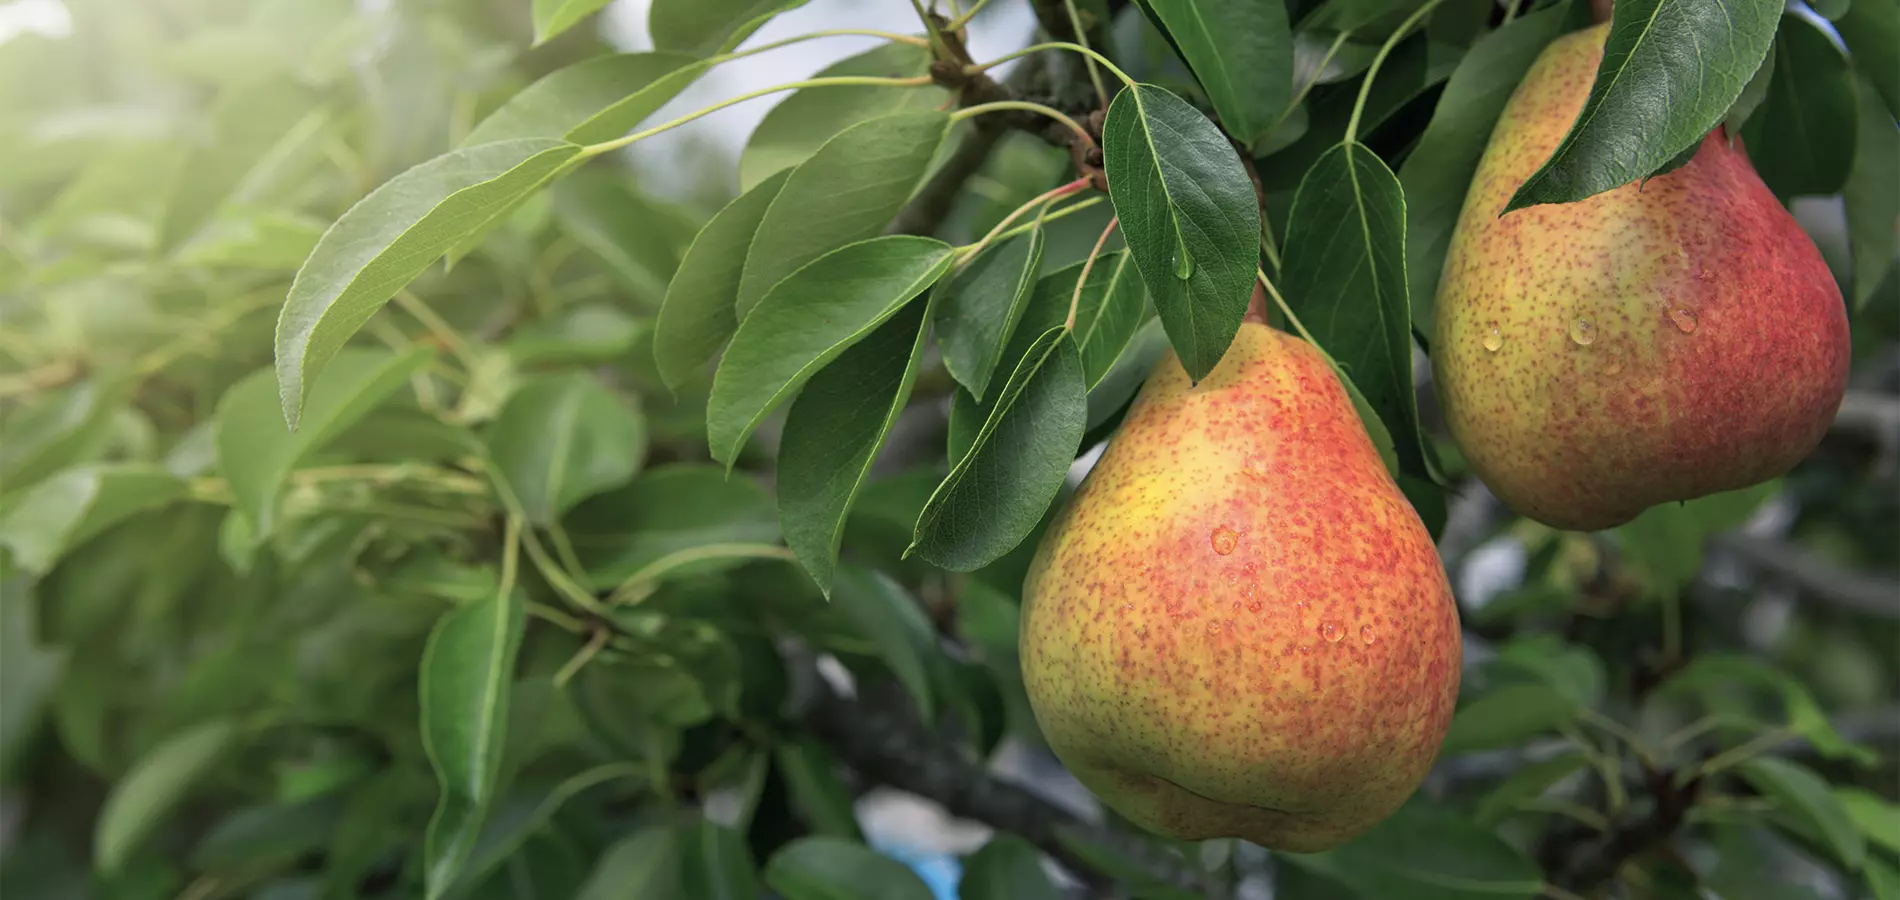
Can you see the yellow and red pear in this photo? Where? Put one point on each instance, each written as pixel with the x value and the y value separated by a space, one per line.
pixel 1661 341
pixel 1239 626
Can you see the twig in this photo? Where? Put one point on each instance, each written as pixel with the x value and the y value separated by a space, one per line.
pixel 1813 576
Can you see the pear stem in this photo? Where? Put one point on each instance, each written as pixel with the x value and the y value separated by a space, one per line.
pixel 1365 88
pixel 1281 302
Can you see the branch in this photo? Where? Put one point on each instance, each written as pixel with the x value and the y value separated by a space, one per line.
pixel 1815 577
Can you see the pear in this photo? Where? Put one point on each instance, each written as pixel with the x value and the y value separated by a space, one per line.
pixel 1239 627
pixel 1661 341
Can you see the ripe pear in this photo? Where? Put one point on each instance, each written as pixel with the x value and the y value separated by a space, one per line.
pixel 1661 341
pixel 1239 627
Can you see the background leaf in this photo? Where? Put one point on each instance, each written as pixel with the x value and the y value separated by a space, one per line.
pixel 705 27
pixel 551 17
pixel 827 868
pixel 1872 34
pixel 1872 196
pixel 887 616
pixel 63 511
pixel 1801 140
pixel 976 309
pixel 1804 795
pixel 591 101
pixel 563 438
pixel 805 120
pixel 1242 54
pixel 1007 868
pixel 156 784
pixel 698 316
pixel 642 864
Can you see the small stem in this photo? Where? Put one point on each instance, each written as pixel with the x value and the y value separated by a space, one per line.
pixel 564 548
pixel 559 579
pixel 556 618
pixel 1051 216
pixel 1041 201
pixel 1735 755
pixel 893 37
pixel 1620 731
pixel 1266 242
pixel 1365 88
pixel 1082 280
pixel 1081 133
pixel 1319 71
pixel 1510 12
pixel 957 23
pixel 937 47
pixel 637 586
pixel 1053 45
pixel 1608 768
pixel 1280 301
pixel 438 326
pixel 1082 38
pixel 592 150
pixel 581 658
pixel 510 552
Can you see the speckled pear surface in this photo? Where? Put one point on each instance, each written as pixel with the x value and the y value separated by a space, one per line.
pixel 1653 343
pixel 1239 627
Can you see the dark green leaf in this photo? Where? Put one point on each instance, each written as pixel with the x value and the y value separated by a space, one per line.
pixel 716 865
pixel 1804 795
pixel 705 27
pixel 563 438
pixel 1343 272
pixel 1189 216
pixel 811 777
pixel 1574 670
pixel 257 453
pixel 591 101
pixel 551 17
pixel 887 616
pixel 1802 138
pixel 807 321
pixel 1670 71
pixel 267 836
pixel 63 511
pixel 828 868
pixel 1126 374
pixel 978 306
pixel 804 121
pixel 29 672
pixel 1871 31
pixel 698 316
pixel 1507 716
pixel 1526 783
pixel 154 786
pixel 833 434
pixel 1877 817
pixel 1402 78
pixel 1431 853
pixel 1007 868
pixel 466 675
pixel 1883 879
pixel 998 490
pixel 1752 95
pixel 388 238
pixel 847 191
pixel 664 511
pixel 1242 54
pixel 1872 196
pixel 513 821
pixel 645 864
pixel 1714 675
pixel 1113 304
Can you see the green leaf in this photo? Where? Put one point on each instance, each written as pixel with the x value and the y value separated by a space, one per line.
pixel 1437 173
pixel 563 438
pixel 1715 675
pixel 829 868
pixel 583 333
pixel 551 17
pixel 274 241
pixel 1528 782
pixel 978 306
pixel 1667 541
pixel 1872 196
pixel 811 777
pixel 699 316
pixel 1402 79
pixel 706 27
pixel 1189 217
pixel 716 865
pixel 644 864
pixel 1425 852
pixel 54 431
pixel 247 123
pixel 630 232
pixel 1883 879
pixel 514 821
pixel 1574 670
pixel 1752 96
pixel 1802 139
pixel 1871 31
pixel 1343 273
pixel 153 788
pixel 997 492
pixel 887 616
pixel 1126 374
pixel 388 238
pixel 807 321
pixel 1877 817
pixel 62 512
pixel 804 121
pixel 1007 868
pixel 256 452
pixel 29 672
pixel 591 101
pixel 467 672
pixel 847 191
pixel 1112 306
pixel 1670 71
pixel 1804 796
pixel 267 837
pixel 834 431
pixel 1241 53
pixel 666 510
pixel 1507 716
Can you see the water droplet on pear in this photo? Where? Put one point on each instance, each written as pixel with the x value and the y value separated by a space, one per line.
pixel 1365 634
pixel 1331 632
pixel 1493 339
pixel 1224 539
pixel 1684 318
pixel 1583 332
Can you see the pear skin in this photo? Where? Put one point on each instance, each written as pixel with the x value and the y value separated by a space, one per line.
pixel 1661 341
pixel 1239 627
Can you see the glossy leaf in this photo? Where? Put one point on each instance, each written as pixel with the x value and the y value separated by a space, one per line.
pixel 1242 54
pixel 828 868
pixel 1507 716
pixel 705 27
pixel 1528 782
pixel 63 511
pixel 1671 69
pixel 698 316
pixel 644 864
pixel 1752 96
pixel 1872 197
pixel 1343 273
pixel 1189 216
pixel 154 786
pixel 551 17
pixel 591 101
pixel 892 621
pixel 805 120
pixel 1007 868
pixel 563 438
pixel 1801 140
pixel 810 777
pixel 997 491
pixel 1438 171
pixel 807 321
pixel 466 676
pixel 847 191
pixel 1804 795
pixel 834 431
pixel 978 306
pixel 256 452
pixel 388 238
